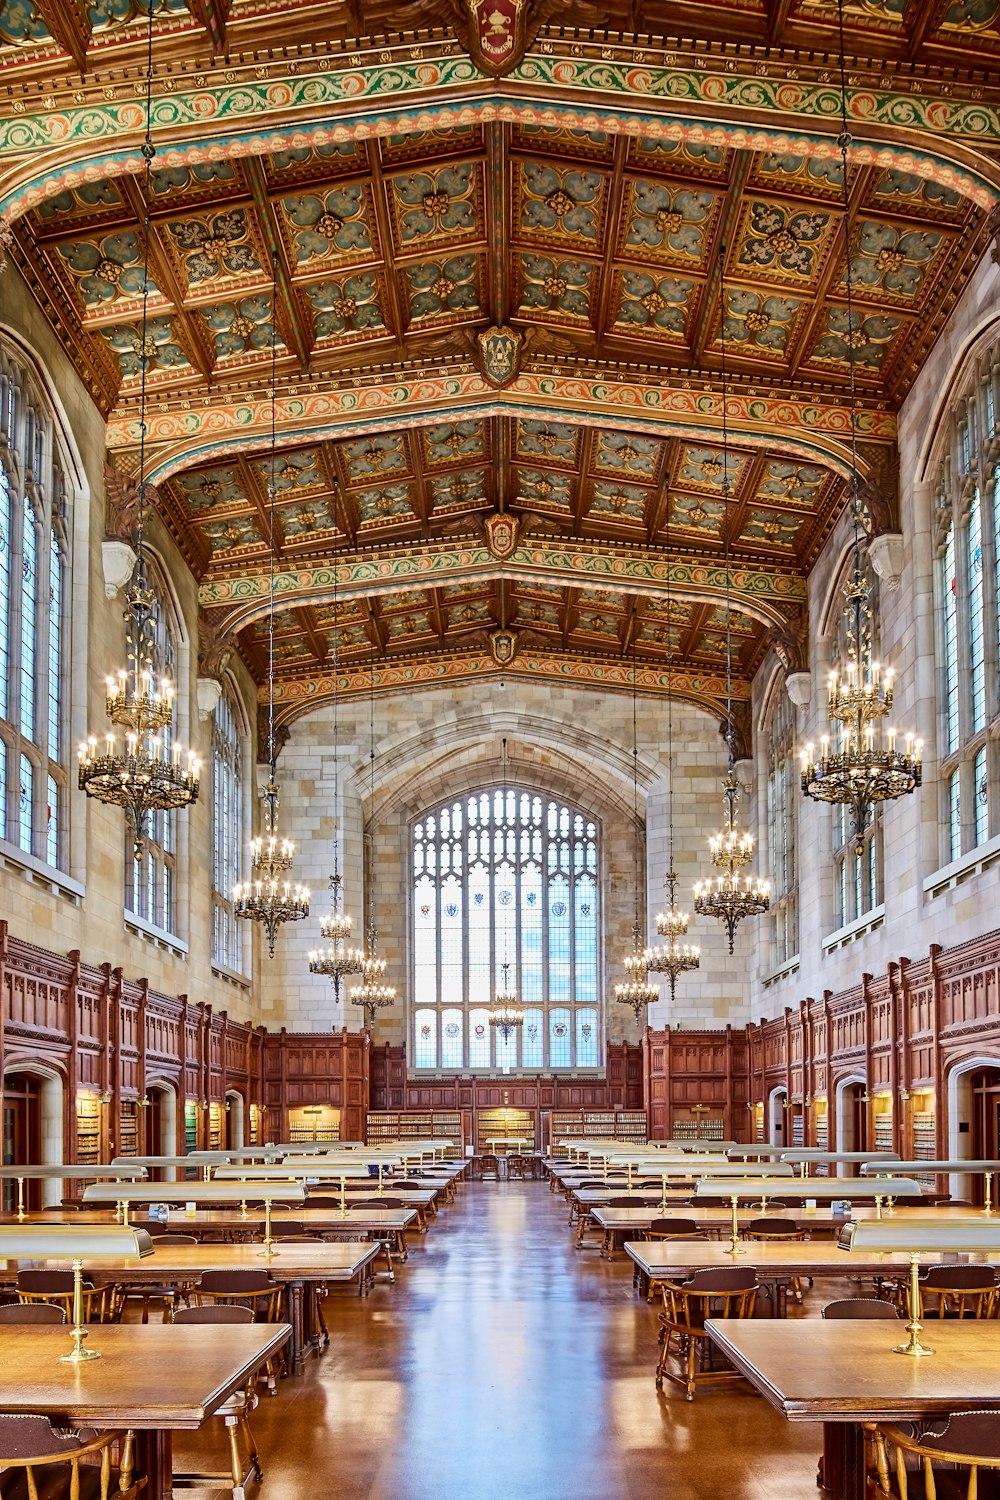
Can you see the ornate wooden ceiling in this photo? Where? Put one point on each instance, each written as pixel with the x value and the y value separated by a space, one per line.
pixel 626 259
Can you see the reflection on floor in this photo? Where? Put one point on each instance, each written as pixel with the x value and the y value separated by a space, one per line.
pixel 507 1365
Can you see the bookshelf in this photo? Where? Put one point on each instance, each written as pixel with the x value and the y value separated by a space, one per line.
pixel 883 1122
pixel 190 1125
pixel 215 1139
pixel 822 1126
pixel 314 1122
pixel 256 1126
pixel 128 1129
pixel 611 1124
pixel 697 1128
pixel 923 1143
pixel 88 1128
pixel 384 1126
pixel 499 1125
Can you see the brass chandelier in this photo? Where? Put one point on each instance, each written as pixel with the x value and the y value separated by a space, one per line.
pixel 505 1016
pixel 855 767
pixel 148 773
pixel 676 956
pixel 338 958
pixel 730 896
pixel 267 897
pixel 636 989
pixel 372 994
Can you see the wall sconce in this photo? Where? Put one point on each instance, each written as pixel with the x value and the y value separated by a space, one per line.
pixel 204 1104
pixel 904 1093
pixel 106 1097
pixel 808 1101
pixel 144 1101
pixel 866 1098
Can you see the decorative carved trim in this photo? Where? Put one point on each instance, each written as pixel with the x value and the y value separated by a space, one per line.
pixel 798 686
pixel 117 562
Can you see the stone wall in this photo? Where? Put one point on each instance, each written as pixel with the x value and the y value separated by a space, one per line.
pixel 429 746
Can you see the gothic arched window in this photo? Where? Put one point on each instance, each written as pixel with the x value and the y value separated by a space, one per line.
pixel 505 878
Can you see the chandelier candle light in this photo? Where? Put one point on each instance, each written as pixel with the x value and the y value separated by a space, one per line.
pixel 267 897
pixel 730 896
pixel 855 768
pixel 147 773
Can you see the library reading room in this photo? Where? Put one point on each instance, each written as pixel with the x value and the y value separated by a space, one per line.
pixel 500 749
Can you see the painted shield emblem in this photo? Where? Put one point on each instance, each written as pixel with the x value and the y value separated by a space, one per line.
pixel 501 535
pixel 499 350
pixel 496 34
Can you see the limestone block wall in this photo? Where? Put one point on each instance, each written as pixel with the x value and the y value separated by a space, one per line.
pixel 429 746
pixel 87 910
pixel 913 917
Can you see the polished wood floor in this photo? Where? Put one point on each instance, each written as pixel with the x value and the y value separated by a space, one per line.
pixel 506 1365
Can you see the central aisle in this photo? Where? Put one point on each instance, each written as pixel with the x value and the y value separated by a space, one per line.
pixel 506 1365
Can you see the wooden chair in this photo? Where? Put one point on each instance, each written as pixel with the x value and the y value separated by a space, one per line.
pixel 860 1307
pixel 955 1458
pixel 234 1411
pixel 489 1166
pixel 515 1168
pixel 958 1292
pixel 50 1461
pixel 56 1287
pixel 668 1229
pixel 777 1229
pixel 252 1289
pixel 167 1292
pixel 31 1312
pixel 729 1292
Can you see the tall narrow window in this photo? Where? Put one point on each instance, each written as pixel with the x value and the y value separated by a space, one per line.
pixel 981 792
pixel 782 786
pixel 32 620
pixel 227 831
pixel 977 623
pixel 150 881
pixel 954 815
pixel 505 880
pixel 949 583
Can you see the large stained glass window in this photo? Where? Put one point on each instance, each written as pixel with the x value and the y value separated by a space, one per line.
pixel 505 877
pixel 33 626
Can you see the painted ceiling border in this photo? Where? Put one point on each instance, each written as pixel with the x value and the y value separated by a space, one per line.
pixel 760 592
pixel 295 697
pixel 806 430
pixel 916 134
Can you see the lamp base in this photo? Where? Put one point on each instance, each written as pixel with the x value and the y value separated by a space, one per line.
pixel 78 1353
pixel 914 1348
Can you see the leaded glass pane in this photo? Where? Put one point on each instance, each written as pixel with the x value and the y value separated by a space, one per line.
pixel 452 1038
pixel 5 587
pixel 977 631
pixel 425 1038
pixel 586 1038
pixel 559 1038
pixel 26 801
pixel 510 878
pixel 52 822
pixel 950 625
pixel 29 618
pixel 954 815
pixel 980 782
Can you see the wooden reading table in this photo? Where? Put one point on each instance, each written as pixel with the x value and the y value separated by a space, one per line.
pixel 843 1373
pixel 155 1379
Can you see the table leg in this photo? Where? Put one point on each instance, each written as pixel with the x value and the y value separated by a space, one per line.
pixel 296 1349
pixel 154 1458
pixel 842 1467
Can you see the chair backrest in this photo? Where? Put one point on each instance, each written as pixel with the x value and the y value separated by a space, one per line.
pixel 237 1283
pixel 723 1279
pixel 45 1283
pixel 30 1436
pixel 217 1313
pixel 774 1229
pixel 860 1307
pixel 624 1202
pixel 673 1228
pixel 966 1440
pixel 322 1200
pixel 32 1312
pixel 286 1228
pixel 959 1278
pixel 166 1240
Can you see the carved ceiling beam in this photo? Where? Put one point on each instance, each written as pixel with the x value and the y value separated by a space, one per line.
pixel 498 250
pixel 290 328
pixel 60 138
pixel 829 277
pixel 376 627
pixel 162 273
pixel 569 616
pixel 421 498
pixel 758 590
pixel 394 306
pixel 918 18
pixel 318 644
pixel 70 28
pixel 437 614
pixel 605 270
pixel 777 15
pixel 795 426
pixel 736 511
pixel 723 235
pixel 305 694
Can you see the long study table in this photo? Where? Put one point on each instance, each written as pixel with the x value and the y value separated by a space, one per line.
pixel 155 1379
pixel 299 1266
pixel 205 1221
pixel 843 1373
